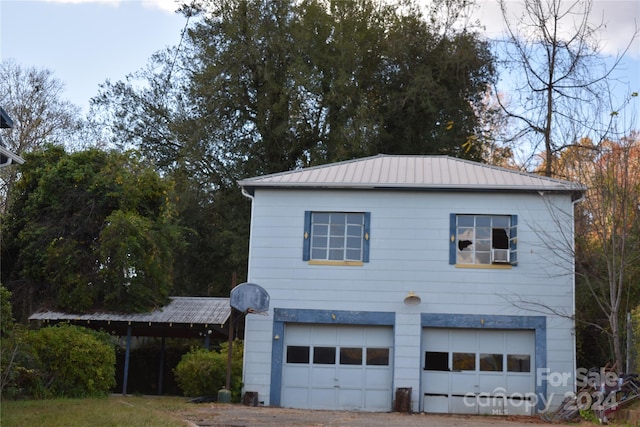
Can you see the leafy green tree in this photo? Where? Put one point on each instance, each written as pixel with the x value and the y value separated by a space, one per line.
pixel 269 86
pixel 607 245
pixel 6 313
pixel 89 230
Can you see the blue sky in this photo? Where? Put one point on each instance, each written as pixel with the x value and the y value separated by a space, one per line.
pixel 85 42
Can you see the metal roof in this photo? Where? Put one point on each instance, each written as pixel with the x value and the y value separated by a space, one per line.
pixel 180 311
pixel 412 172
pixel 5 120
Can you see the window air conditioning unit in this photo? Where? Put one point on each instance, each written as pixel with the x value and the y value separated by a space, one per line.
pixel 500 256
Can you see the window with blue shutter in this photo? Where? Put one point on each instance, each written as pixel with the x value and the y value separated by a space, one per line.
pixel 336 236
pixel 483 239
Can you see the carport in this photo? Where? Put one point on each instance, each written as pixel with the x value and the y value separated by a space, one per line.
pixel 184 317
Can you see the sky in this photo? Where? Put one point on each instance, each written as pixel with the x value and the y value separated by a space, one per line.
pixel 85 42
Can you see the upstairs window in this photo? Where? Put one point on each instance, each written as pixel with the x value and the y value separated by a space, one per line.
pixel 336 237
pixel 483 239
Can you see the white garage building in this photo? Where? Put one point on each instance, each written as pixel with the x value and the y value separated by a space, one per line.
pixel 442 278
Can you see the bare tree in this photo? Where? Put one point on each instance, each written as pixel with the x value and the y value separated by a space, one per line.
pixel 32 98
pixel 563 81
pixel 609 239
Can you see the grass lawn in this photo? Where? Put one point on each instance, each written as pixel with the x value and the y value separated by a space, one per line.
pixel 113 411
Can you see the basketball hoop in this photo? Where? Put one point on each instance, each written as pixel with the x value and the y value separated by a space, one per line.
pixel 249 298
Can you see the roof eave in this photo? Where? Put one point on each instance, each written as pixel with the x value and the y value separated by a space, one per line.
pixel 577 191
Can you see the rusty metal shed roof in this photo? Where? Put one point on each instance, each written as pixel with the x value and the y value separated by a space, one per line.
pixel 183 316
pixel 400 172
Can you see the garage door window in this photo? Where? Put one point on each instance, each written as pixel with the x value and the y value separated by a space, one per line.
pixel 324 355
pixel 436 361
pixel 491 362
pixel 518 363
pixel 297 354
pixel 464 361
pixel 351 356
pixel 488 362
pixel 348 355
pixel 378 356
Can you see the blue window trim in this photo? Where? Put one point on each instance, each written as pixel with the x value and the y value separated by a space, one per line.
pixel 475 321
pixel 306 242
pixel 281 316
pixel 513 239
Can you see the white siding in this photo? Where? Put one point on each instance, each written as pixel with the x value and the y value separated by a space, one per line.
pixel 409 250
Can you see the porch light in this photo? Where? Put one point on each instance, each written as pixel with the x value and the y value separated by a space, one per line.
pixel 412 299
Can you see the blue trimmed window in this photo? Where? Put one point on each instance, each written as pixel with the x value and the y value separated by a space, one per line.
pixel 336 236
pixel 483 239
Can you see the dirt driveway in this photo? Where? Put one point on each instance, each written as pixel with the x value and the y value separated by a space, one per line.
pixel 231 415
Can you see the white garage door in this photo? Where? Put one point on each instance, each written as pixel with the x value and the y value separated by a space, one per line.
pixel 478 371
pixel 337 367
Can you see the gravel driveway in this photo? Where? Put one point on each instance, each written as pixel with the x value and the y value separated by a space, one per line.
pixel 231 415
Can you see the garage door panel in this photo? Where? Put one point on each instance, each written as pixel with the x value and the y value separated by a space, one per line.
pixel 351 377
pixel 322 399
pixel 296 396
pixel 323 377
pixel 345 365
pixel 377 400
pixel 464 341
pixel 377 335
pixel 377 378
pixel 350 398
pixel 435 381
pixel 351 336
pixel 460 365
pixel 462 383
pixel 436 404
pixel 324 336
pixel 491 342
pixel 462 405
pixel 519 383
pixel 299 376
pixel 297 335
pixel 488 383
pixel 516 343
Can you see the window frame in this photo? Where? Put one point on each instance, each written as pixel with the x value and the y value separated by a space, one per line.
pixel 307 237
pixel 512 235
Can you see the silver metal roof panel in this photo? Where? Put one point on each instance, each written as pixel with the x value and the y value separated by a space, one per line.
pixel 181 310
pixel 412 172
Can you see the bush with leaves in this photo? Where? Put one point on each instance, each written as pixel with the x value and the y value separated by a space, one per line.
pixel 63 361
pixel 9 350
pixel 203 372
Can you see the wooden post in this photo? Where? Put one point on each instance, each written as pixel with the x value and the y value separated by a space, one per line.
pixel 126 362
pixel 161 373
pixel 230 352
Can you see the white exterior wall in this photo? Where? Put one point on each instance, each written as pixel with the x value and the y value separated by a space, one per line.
pixel 409 250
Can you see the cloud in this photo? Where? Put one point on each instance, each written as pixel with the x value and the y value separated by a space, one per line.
pixel 619 20
pixel 169 6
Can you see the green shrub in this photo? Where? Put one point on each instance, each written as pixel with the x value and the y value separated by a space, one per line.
pixel 202 372
pixel 67 361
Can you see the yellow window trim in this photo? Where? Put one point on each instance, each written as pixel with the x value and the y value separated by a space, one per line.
pixel 486 266
pixel 349 263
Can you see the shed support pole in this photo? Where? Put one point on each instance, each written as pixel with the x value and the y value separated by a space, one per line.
pixel 126 362
pixel 161 373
